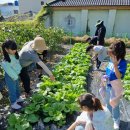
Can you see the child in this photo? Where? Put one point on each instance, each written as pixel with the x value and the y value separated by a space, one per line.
pixel 100 54
pixel 12 70
pixel 94 115
pixel 115 72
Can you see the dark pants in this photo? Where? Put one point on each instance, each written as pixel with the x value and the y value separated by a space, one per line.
pixel 24 72
pixel 25 79
pixel 94 41
pixel 98 63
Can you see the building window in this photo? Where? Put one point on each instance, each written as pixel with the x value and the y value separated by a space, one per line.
pixel 15 11
pixel 42 2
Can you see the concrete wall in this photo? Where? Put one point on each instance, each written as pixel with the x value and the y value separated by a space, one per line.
pixel 8 11
pixel 122 23
pixel 84 21
pixel 30 5
pixel 93 16
pixel 117 22
pixel 60 19
pixel 111 22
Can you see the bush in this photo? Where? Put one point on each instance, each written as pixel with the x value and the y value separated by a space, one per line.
pixel 39 17
pixel 23 32
pixel 45 10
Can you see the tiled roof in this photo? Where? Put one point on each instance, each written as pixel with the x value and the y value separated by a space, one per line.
pixel 91 3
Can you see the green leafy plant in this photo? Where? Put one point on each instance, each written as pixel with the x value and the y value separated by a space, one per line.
pixel 23 32
pixel 18 122
pixel 127 83
pixel 56 99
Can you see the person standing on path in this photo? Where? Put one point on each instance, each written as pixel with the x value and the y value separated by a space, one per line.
pixel 100 54
pixel 12 69
pixel 100 33
pixel 28 55
pixel 115 72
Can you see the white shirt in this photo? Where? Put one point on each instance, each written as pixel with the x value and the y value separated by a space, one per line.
pixel 101 51
pixel 101 120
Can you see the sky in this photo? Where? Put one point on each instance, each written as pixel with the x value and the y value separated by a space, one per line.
pixel 5 1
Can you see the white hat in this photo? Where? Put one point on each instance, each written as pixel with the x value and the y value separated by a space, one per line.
pixel 98 22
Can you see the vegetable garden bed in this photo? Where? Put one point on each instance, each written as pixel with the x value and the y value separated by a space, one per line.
pixel 127 80
pixel 55 100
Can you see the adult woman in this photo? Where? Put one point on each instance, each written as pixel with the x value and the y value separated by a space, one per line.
pixel 28 55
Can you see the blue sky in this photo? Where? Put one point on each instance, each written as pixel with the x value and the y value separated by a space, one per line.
pixel 5 1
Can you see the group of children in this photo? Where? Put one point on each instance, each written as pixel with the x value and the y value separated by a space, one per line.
pixel 94 115
pixel 15 66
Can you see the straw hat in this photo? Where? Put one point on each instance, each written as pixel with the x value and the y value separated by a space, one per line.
pixel 98 22
pixel 39 44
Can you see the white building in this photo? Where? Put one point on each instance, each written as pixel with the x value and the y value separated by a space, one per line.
pixel 80 16
pixel 30 5
pixel 9 9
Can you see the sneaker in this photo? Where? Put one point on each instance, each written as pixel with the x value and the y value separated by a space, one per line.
pixel 16 106
pixel 20 99
pixel 116 125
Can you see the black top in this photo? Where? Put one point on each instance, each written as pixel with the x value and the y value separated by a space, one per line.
pixel 100 33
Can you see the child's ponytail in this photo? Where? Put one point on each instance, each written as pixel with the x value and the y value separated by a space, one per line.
pixel 97 104
pixel 89 101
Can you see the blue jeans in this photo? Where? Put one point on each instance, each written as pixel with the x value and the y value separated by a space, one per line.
pixel 13 88
pixel 114 111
